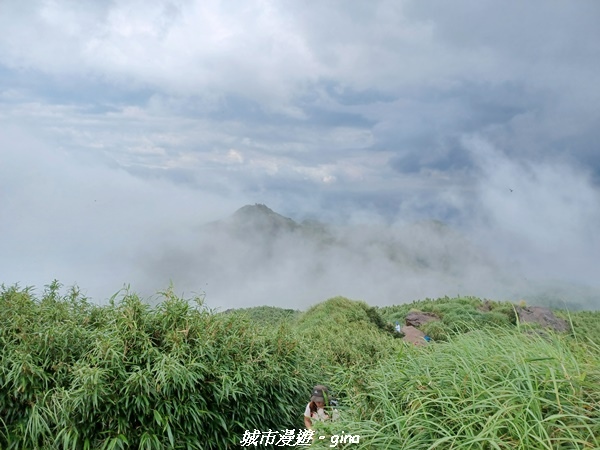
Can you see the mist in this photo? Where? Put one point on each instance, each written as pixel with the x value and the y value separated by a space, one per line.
pixel 430 161
pixel 524 232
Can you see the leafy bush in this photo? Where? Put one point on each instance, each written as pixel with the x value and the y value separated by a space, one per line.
pixel 73 375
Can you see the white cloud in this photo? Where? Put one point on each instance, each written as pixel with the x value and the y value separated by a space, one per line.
pixel 272 51
pixel 83 224
pixel 235 156
pixel 540 216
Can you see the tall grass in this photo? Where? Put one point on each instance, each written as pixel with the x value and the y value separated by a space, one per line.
pixel 585 325
pixel 487 389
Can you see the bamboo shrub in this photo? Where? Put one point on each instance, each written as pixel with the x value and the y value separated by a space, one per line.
pixel 126 375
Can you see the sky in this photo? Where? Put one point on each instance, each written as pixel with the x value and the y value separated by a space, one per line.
pixel 126 124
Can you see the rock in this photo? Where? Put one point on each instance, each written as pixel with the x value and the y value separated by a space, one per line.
pixel 413 335
pixel 542 316
pixel 418 318
pixel 486 306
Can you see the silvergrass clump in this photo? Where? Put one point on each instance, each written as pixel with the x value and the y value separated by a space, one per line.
pixel 486 389
pixel 126 375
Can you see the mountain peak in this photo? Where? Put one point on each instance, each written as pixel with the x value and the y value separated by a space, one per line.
pixel 254 210
pixel 261 216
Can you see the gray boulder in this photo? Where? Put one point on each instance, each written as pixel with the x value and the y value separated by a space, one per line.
pixel 542 316
pixel 418 318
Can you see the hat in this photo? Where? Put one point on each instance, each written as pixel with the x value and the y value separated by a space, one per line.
pixel 318 393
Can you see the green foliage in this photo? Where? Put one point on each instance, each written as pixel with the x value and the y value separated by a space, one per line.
pixel 74 375
pixel 436 330
pixel 585 324
pixel 267 315
pixel 340 311
pixel 490 388
pixel 345 333
pixel 344 339
pixel 457 315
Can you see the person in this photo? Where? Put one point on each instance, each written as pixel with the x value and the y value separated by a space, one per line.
pixel 315 410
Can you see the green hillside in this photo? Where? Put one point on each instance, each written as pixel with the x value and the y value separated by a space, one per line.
pixel 266 315
pixel 74 375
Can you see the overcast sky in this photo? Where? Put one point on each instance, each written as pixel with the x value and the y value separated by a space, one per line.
pixel 124 123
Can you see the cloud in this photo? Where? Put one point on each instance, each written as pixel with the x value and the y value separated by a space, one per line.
pixel 391 111
pixel 175 47
pixel 538 216
pixel 270 51
pixel 101 227
pixel 84 224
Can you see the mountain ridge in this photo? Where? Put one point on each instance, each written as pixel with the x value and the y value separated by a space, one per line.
pixel 257 256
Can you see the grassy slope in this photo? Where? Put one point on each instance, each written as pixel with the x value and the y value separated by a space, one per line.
pixel 488 382
pixel 485 389
pixel 464 313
